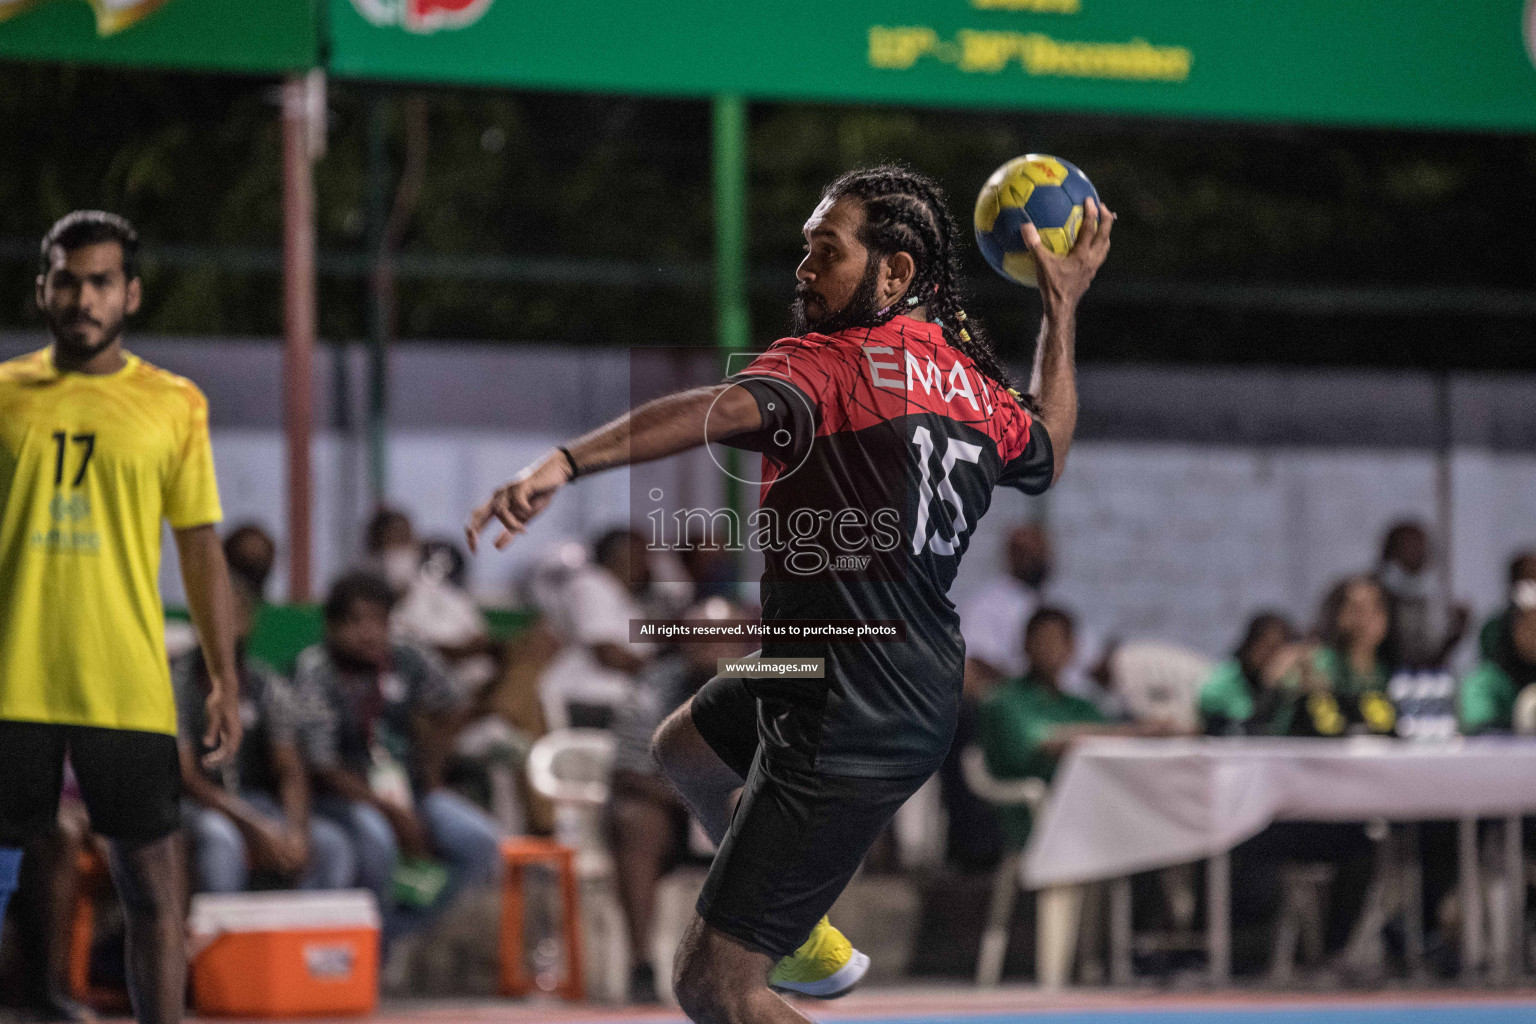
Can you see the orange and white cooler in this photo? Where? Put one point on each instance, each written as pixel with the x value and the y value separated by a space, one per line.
pixel 285 954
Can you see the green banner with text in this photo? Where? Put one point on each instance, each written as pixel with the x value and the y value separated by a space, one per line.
pixel 251 36
pixel 1433 63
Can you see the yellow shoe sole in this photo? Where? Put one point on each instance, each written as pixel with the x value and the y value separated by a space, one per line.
pixel 834 985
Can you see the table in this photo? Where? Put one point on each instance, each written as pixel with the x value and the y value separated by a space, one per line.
pixel 1120 806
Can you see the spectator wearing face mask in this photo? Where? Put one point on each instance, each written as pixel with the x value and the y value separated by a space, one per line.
pixel 392 551
pixel 1486 702
pixel 1422 631
pixel 1522 568
pixel 435 610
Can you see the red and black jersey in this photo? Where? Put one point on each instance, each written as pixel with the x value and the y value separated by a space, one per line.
pixel 881 449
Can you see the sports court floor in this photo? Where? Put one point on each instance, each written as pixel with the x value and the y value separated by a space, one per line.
pixel 1027 1006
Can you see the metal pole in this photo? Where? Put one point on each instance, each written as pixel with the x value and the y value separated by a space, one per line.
pixel 1445 494
pixel 731 316
pixel 1218 924
pixel 379 285
pixel 299 101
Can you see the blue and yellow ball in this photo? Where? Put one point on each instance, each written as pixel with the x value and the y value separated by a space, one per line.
pixel 1043 190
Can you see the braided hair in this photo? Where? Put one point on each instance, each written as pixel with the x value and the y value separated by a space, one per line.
pixel 905 211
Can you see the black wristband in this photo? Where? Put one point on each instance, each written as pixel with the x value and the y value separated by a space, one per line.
pixel 569 461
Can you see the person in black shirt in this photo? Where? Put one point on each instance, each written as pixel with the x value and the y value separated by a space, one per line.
pixel 885 423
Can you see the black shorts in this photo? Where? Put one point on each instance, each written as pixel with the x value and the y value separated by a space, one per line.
pixel 130 781
pixel 797 836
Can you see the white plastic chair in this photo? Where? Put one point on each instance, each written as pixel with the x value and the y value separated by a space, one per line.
pixel 1159 681
pixel 1525 711
pixel 1059 904
pixel 571 767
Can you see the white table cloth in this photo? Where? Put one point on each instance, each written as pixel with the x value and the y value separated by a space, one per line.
pixel 1120 806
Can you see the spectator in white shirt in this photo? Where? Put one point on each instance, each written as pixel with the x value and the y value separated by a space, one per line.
pixel 595 672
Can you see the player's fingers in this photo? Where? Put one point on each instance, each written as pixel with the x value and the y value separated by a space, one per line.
pixel 221 742
pixel 1091 222
pixel 475 525
pixel 1032 238
pixel 1106 225
pixel 511 523
pixel 521 501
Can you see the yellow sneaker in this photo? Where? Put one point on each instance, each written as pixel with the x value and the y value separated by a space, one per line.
pixel 825 966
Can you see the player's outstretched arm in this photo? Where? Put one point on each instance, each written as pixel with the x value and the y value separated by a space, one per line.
pixel 655 430
pixel 206 577
pixel 1063 280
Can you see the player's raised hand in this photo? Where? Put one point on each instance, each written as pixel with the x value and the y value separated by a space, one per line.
pixel 1064 279
pixel 519 500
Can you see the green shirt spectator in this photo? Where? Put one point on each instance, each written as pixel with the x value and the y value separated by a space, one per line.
pixel 1020 732
pixel 1342 687
pixel 1333 697
pixel 1486 702
pixel 1228 706
pixel 1243 695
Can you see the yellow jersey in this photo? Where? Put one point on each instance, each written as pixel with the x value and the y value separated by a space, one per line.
pixel 89 466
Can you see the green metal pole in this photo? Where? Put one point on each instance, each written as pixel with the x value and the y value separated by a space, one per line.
pixel 731 222
pixel 731 320
pixel 378 311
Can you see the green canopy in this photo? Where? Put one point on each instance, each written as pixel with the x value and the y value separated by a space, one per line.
pixel 250 36
pixel 1429 63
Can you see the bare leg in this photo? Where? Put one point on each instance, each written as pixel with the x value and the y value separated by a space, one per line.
pixel 151 882
pixel 720 981
pixel 643 841
pixel 705 782
pixel 52 879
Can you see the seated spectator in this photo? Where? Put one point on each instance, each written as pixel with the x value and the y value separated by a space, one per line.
pixel 1243 694
pixel 251 552
pixel 1342 686
pixel 1422 631
pixel 1521 568
pixel 992 624
pixel 436 611
pixel 390 549
pixel 375 742
pixel 594 672
pixel 647 820
pixel 1486 702
pixel 253 814
pixel 1028 722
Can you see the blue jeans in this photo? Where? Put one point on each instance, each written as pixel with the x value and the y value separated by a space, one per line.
pixel 220 862
pixel 462 835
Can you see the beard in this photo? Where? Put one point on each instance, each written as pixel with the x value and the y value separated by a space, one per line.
pixel 807 314
pixel 67 337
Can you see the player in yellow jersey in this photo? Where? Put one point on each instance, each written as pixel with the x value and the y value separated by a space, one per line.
pixel 97 448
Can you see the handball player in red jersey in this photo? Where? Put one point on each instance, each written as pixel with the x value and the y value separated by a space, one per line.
pixel 885 422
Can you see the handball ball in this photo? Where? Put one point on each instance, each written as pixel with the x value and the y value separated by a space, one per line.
pixel 1045 191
